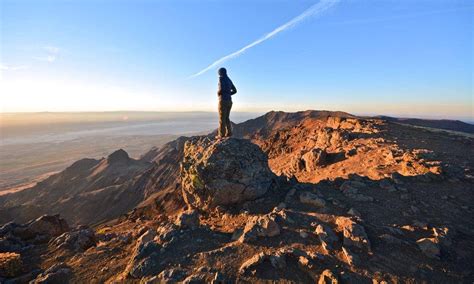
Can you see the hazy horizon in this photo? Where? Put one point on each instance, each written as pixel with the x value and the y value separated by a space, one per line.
pixel 467 119
pixel 405 58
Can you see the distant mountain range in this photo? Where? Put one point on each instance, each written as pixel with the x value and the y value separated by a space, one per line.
pixel 446 124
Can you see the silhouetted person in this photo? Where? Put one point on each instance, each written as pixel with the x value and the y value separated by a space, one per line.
pixel 225 90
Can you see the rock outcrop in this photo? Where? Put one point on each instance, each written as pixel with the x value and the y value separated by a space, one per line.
pixel 48 225
pixel 223 172
pixel 13 236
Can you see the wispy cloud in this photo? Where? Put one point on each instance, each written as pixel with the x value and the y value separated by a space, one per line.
pixel 51 54
pixel 313 11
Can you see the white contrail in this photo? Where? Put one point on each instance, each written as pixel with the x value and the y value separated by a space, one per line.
pixel 313 11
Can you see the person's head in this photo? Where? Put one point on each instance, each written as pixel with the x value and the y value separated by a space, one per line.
pixel 222 71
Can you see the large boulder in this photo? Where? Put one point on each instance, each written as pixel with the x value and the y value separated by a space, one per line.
pixel 46 225
pixel 223 172
pixel 51 225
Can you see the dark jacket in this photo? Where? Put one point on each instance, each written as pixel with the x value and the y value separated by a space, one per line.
pixel 225 88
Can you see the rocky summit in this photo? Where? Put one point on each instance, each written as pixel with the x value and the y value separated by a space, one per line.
pixel 304 197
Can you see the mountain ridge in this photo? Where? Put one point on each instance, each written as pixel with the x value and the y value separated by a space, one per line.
pixel 158 177
pixel 304 197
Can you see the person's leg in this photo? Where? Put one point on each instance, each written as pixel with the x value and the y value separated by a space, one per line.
pixel 221 129
pixel 228 124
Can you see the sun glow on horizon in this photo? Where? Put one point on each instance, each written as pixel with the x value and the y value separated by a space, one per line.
pixel 67 96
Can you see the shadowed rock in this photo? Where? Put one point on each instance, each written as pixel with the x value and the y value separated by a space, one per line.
pixel 10 264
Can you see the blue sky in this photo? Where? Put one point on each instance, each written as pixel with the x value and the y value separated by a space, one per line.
pixel 368 57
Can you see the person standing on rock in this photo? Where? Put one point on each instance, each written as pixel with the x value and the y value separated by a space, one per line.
pixel 225 90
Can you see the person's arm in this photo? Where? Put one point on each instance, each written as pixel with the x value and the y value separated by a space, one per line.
pixel 219 87
pixel 233 89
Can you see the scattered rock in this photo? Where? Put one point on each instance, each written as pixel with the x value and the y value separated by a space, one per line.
pixel 430 247
pixel 167 232
pixel 312 199
pixel 351 185
pixel 327 277
pixel 303 261
pixel 350 257
pixel 351 190
pixel 223 172
pixel 389 239
pixel 188 219
pixel 354 234
pixel 252 262
pixel 193 278
pixel 145 260
pixel 303 234
pixel 260 226
pixel 354 213
pixel 351 152
pixel 444 236
pixel 10 264
pixel 76 240
pixel 105 237
pixel 58 273
pixel 125 238
pixel 277 260
pixel 420 224
pixel 327 237
pixel 280 206
pixel 172 275
pixel 314 158
pixel 219 278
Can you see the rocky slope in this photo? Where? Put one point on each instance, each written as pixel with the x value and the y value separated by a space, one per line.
pixel 87 192
pixel 316 196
